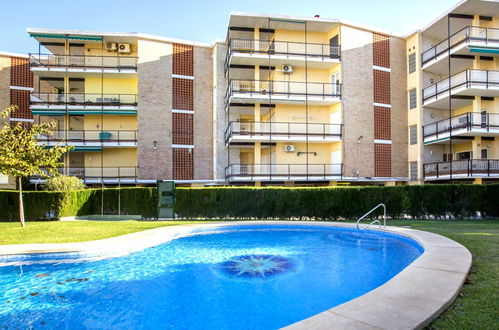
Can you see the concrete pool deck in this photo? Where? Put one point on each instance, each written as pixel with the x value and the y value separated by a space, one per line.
pixel 410 300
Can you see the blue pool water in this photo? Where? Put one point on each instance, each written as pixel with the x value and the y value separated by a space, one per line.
pixel 239 277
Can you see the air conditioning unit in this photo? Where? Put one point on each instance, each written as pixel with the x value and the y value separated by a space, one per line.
pixel 111 46
pixel 289 148
pixel 124 48
pixel 287 68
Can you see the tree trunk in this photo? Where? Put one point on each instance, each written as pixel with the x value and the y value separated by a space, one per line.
pixel 21 206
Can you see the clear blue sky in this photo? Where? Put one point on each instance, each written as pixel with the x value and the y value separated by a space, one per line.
pixel 198 20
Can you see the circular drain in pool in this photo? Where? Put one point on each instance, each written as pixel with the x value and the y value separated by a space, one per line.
pixel 256 266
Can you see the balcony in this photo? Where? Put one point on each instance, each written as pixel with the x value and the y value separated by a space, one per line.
pixel 471 40
pixel 89 138
pixel 273 52
pixel 463 86
pixel 89 175
pixel 282 132
pixel 467 124
pixel 284 92
pixel 462 169
pixel 283 172
pixel 83 103
pixel 49 65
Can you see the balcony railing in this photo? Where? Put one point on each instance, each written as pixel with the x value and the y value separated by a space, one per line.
pixel 90 136
pixel 83 61
pixel 87 99
pixel 462 168
pixel 469 34
pixel 467 79
pixel 95 173
pixel 282 171
pixel 282 130
pixel 287 48
pixel 467 121
pixel 279 88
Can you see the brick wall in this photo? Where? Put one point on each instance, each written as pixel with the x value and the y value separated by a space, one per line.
pixel 182 123
pixel 382 95
pixel 20 76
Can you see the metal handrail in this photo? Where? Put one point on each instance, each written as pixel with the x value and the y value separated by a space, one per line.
pixel 375 221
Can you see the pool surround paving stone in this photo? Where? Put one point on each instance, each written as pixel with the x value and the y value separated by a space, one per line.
pixel 410 300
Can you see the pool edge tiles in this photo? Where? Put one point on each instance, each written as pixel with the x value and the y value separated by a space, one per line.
pixel 411 299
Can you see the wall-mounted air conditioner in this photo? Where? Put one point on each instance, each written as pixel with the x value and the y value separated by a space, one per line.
pixel 111 46
pixel 124 48
pixel 289 148
pixel 286 68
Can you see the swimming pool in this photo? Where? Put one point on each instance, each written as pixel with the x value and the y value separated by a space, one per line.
pixel 245 277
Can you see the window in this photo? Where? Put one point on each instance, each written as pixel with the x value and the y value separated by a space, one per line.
pixel 412 62
pixel 463 155
pixel 413 99
pixel 484 154
pixel 413 134
pixel 413 171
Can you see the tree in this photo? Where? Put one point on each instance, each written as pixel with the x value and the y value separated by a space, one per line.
pixel 21 155
pixel 64 183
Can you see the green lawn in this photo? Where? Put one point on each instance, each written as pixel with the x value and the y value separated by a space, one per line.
pixel 72 231
pixel 477 307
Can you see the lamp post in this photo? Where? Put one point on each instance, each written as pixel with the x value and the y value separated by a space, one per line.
pixel 357 172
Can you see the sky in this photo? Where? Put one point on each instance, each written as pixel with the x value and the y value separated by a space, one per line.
pixel 204 21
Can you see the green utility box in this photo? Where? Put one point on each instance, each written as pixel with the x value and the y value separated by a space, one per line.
pixel 166 199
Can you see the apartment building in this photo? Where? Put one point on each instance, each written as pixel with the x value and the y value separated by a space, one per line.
pixel 452 88
pixel 137 108
pixel 16 84
pixel 281 101
pixel 310 101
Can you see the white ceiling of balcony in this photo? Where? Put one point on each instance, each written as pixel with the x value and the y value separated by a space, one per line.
pixel 438 28
pixel 265 21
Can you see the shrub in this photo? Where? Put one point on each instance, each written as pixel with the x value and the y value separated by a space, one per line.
pixel 64 183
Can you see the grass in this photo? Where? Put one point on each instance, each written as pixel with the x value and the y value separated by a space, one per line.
pixel 73 231
pixel 477 306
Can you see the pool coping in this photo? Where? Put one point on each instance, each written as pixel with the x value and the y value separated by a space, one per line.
pixel 410 300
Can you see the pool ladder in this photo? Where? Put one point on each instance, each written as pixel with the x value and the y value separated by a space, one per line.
pixel 375 221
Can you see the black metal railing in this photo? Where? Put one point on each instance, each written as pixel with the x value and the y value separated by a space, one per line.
pixel 282 129
pixel 83 61
pixel 475 34
pixel 88 99
pixel 287 48
pixel 90 136
pixel 95 173
pixel 462 168
pixel 282 171
pixel 467 78
pixel 280 88
pixel 467 121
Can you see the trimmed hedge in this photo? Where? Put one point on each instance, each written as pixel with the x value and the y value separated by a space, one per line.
pixel 327 203
pixel 43 205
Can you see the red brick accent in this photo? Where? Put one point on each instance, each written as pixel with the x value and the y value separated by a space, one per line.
pixel 183 60
pixel 183 94
pixel 21 99
pixel 382 160
pixel 183 128
pixel 381 87
pixel 183 164
pixel 20 75
pixel 381 50
pixel 382 123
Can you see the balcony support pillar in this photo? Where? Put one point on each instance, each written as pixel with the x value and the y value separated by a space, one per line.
pixel 256 36
pixel 478 181
pixel 476 147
